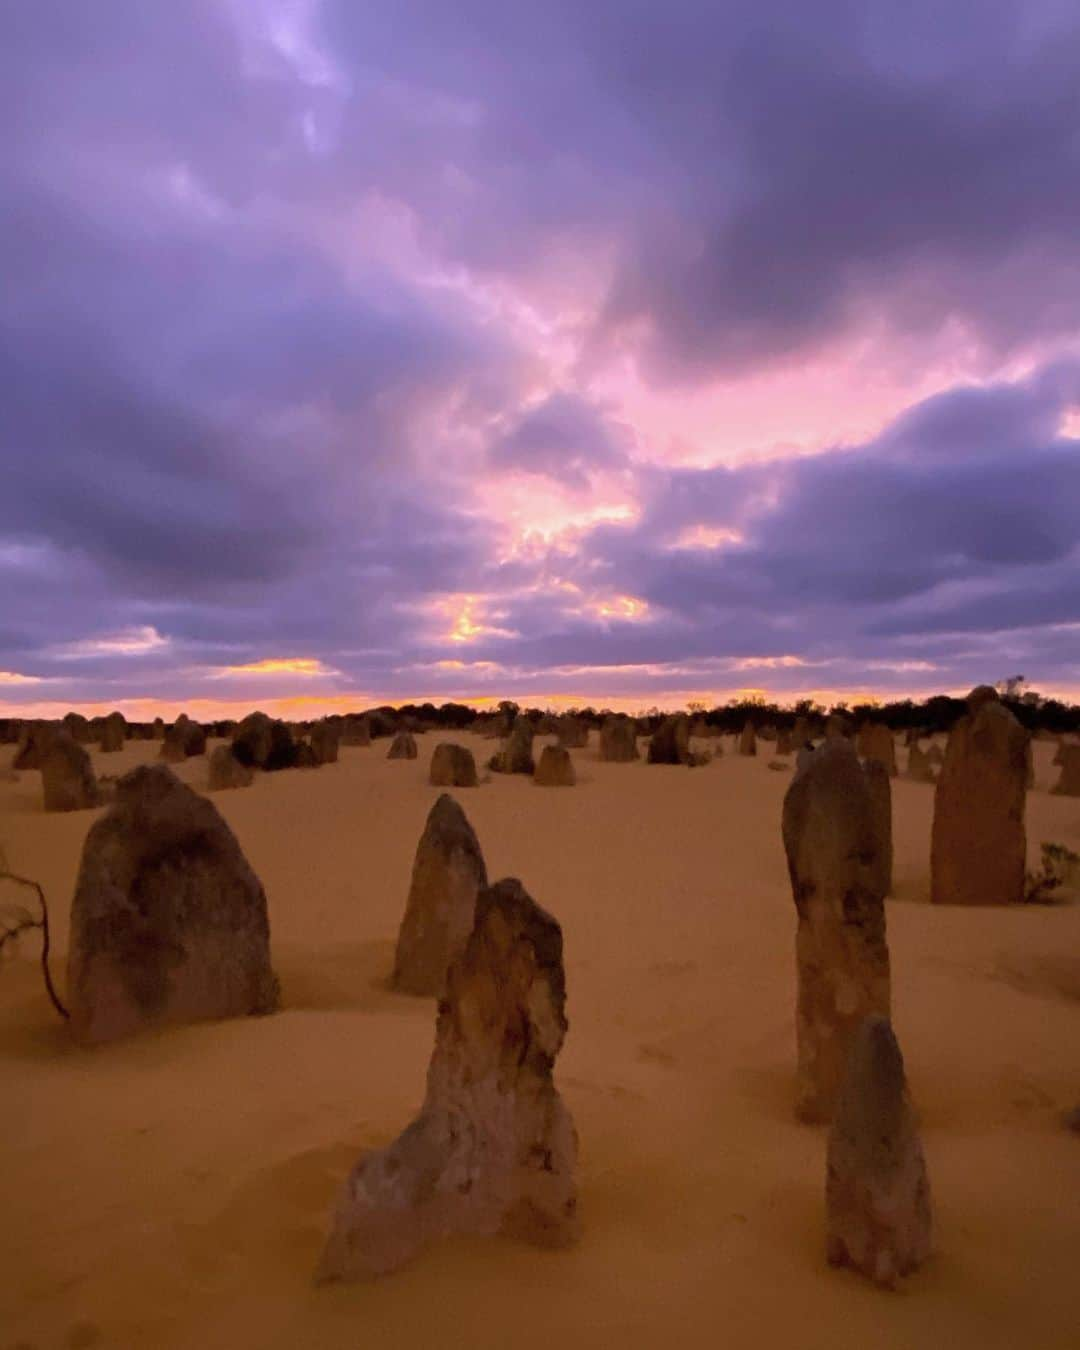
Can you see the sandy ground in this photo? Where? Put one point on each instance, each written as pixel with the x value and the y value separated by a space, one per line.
pixel 173 1191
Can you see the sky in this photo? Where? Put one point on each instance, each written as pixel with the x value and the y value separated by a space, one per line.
pixel 621 353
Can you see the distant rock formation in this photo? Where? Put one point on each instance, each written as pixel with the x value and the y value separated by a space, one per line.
pixel 1068 784
pixel 226 771
pixel 670 742
pixel 748 740
pixel 452 766
pixel 67 777
pixel 832 839
pixel 77 727
pixel 919 768
pixel 618 740
pixel 493 1149
pixel 978 844
pixel 184 740
pixel 356 731
pixel 877 1195
pixel 324 742
pixel 783 741
pixel 169 922
pixel 261 742
pixel 113 733
pixel 800 734
pixel 875 742
pixel 517 755
pixel 555 768
pixel 448 874
pixel 839 727
pixel 403 746
pixel 33 741
pixel 573 732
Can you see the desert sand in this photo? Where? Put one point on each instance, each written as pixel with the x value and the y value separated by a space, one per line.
pixel 175 1190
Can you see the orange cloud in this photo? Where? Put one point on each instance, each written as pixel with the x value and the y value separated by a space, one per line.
pixel 306 667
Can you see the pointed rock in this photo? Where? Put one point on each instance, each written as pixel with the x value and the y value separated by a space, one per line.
pixel 832 839
pixel 517 755
pixel 77 727
pixel 493 1149
pixel 403 746
pixel 618 740
pixel 1068 784
pixel 169 922
pixel 324 742
pixel 226 771
pixel 33 742
pixel 67 776
pixel 978 844
pixel 356 731
pixel 448 874
pixel 875 742
pixel 113 733
pixel 670 742
pixel 748 740
pixel 877 1194
pixel 452 766
pixel 184 740
pixel 573 733
pixel 919 768
pixel 555 768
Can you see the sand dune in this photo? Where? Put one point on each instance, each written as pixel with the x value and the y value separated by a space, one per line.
pixel 174 1190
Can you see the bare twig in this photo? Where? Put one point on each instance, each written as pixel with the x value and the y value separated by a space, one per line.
pixel 24 920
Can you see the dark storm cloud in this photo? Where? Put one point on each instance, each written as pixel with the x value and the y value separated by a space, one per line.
pixel 252 365
pixel 773 174
pixel 564 438
pixel 856 553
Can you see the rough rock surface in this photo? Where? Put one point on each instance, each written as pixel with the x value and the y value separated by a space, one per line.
pixel 77 727
pixel 919 767
pixel 448 874
pixel 169 922
pixel 875 742
pixel 403 746
pixel 1068 784
pixel 877 780
pixel 670 742
pixel 33 742
pixel 67 776
pixel 833 845
pixel 978 844
pixel 838 727
pixel 493 1149
pixel 183 740
pixel 748 740
pixel 618 740
pixel 555 768
pixel 573 733
pixel 452 766
pixel 324 742
pixel 516 756
pixel 113 733
pixel 877 1196
pixel 356 731
pixel 226 771
pixel 260 742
